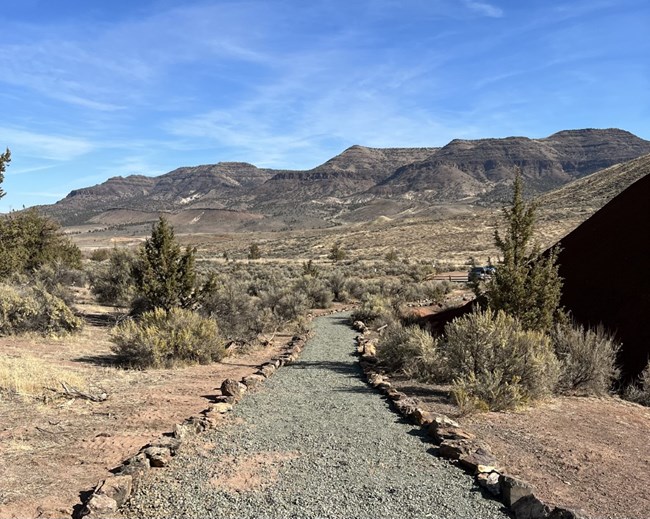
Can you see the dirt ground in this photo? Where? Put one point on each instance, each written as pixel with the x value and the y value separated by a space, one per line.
pixel 49 452
pixel 584 453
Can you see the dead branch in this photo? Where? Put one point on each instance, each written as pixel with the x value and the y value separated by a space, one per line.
pixel 75 393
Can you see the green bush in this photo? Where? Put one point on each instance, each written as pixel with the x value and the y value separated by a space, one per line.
pixel 29 240
pixel 587 359
pixel 164 339
pixel 24 309
pixel 640 392
pixel 374 309
pixel 315 290
pixel 113 282
pixel 496 363
pixel 410 351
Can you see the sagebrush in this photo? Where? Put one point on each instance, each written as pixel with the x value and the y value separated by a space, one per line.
pixel 168 338
pixel 496 363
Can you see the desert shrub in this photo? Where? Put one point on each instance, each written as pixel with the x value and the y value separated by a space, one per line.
pixel 99 255
pixel 587 358
pixel 113 282
pixel 374 310
pixel 26 309
pixel 496 363
pixel 29 240
pixel 411 351
pixel 337 284
pixel 640 391
pixel 164 339
pixel 315 290
pixel 226 299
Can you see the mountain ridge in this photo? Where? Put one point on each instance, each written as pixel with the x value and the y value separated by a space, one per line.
pixel 463 171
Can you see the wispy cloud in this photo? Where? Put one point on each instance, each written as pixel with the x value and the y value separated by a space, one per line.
pixel 44 146
pixel 484 8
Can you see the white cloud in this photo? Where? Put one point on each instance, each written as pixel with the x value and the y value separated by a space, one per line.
pixel 43 146
pixel 484 8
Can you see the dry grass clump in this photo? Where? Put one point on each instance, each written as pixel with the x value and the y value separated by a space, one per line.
pixel 32 377
pixel 165 339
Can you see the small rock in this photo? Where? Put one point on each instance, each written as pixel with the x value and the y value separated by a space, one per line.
pixel 422 417
pixel 134 466
pixel 100 505
pixel 441 420
pixel 158 456
pixel 117 488
pixel 454 449
pixel 167 442
pixel 530 507
pixel 252 381
pixel 221 408
pixel 479 460
pixel 441 433
pixel 267 370
pixel 232 388
pixel 514 489
pixel 490 481
pixel 375 379
pixel 370 350
pixel 565 513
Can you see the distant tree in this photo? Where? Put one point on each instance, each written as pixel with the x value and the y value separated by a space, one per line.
pixel 337 253
pixel 526 284
pixel 254 252
pixel 165 277
pixel 5 158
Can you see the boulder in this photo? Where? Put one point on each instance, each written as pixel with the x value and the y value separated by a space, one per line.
pixel 565 513
pixel 454 449
pixel 479 460
pixel 267 369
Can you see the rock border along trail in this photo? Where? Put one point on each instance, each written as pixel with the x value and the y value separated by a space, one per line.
pixel 314 442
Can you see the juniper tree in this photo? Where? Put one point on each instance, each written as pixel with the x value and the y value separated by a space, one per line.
pixel 526 284
pixel 5 158
pixel 165 277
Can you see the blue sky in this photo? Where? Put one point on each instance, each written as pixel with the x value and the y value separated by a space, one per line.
pixel 93 89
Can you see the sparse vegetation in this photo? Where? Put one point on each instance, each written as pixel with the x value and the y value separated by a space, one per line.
pixel 5 158
pixel 337 253
pixel 33 377
pixel 587 359
pixel 254 252
pixel 640 391
pixel 164 339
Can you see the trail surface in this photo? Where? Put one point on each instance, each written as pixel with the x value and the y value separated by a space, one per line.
pixel 313 442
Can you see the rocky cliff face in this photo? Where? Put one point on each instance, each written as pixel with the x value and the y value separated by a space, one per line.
pixel 463 171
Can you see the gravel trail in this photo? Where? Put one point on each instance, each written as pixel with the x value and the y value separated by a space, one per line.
pixel 314 442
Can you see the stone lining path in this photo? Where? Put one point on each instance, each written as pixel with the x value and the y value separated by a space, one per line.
pixel 313 442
